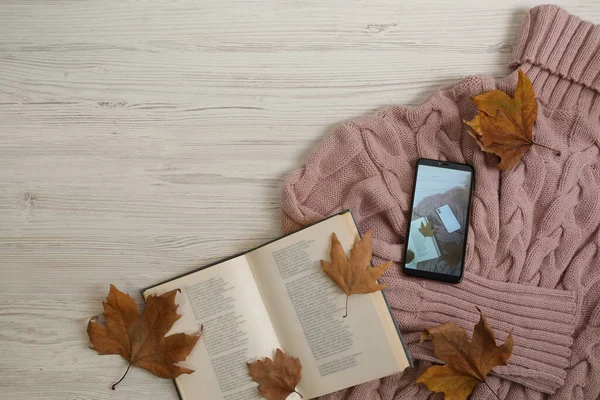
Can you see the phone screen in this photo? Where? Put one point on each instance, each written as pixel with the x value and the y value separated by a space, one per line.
pixel 435 247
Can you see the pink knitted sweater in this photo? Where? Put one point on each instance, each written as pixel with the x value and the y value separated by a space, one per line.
pixel 533 255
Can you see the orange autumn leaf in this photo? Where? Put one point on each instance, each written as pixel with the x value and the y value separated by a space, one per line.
pixel 467 362
pixel 504 125
pixel 276 378
pixel 141 339
pixel 354 274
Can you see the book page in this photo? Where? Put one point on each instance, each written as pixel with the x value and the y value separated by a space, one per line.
pixel 307 311
pixel 224 299
pixel 423 247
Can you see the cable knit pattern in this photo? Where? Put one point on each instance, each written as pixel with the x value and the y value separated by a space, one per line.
pixel 533 255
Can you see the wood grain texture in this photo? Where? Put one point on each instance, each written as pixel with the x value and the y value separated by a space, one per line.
pixel 140 139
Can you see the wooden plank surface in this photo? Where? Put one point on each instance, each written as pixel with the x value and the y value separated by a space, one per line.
pixel 140 139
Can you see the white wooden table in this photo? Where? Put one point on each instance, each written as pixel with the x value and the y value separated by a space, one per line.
pixel 140 139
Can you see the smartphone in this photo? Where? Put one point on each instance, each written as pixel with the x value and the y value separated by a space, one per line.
pixel 436 238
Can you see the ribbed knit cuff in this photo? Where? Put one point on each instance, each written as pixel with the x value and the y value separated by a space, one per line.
pixel 542 321
pixel 561 55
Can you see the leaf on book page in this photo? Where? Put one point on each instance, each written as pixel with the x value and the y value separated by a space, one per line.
pixel 427 230
pixel 453 253
pixel 504 125
pixel 354 274
pixel 467 362
pixel 276 378
pixel 141 339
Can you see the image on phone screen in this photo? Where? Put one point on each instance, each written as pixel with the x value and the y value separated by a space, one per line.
pixel 439 220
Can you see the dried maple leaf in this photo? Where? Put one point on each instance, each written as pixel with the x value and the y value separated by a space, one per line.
pixel 504 125
pixel 453 253
pixel 410 255
pixel 467 362
pixel 354 275
pixel 141 339
pixel 427 230
pixel 277 378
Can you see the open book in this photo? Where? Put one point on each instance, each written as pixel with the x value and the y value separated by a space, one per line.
pixel 424 247
pixel 277 296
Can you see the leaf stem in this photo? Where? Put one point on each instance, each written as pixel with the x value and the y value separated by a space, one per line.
pixel 549 148
pixel 345 315
pixel 491 390
pixel 295 391
pixel 123 377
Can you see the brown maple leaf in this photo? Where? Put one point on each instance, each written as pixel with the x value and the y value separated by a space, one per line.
pixel 453 253
pixel 504 125
pixel 410 255
pixel 467 362
pixel 277 378
pixel 141 339
pixel 427 230
pixel 354 275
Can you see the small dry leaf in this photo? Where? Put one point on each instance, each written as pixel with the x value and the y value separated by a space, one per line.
pixel 467 362
pixel 409 256
pixel 427 230
pixel 141 339
pixel 354 275
pixel 277 378
pixel 453 253
pixel 504 125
